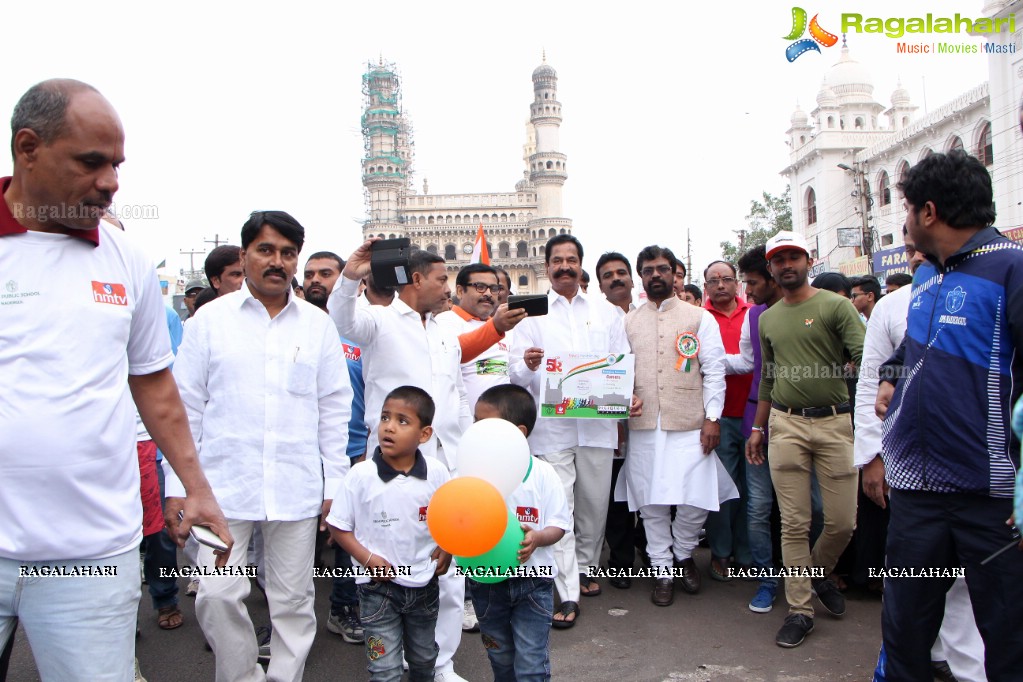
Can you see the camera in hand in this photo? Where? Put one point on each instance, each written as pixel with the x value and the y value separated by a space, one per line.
pixel 389 262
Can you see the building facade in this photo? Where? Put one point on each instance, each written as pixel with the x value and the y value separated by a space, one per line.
pixel 846 160
pixel 517 223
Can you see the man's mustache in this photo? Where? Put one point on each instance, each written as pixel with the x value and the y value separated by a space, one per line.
pixel 617 283
pixel 275 271
pixel 566 271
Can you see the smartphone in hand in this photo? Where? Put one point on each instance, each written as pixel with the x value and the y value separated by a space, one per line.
pixel 204 535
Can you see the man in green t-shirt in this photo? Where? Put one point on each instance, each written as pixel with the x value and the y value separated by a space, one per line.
pixel 805 339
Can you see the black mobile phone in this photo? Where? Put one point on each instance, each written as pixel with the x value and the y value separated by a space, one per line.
pixel 389 262
pixel 534 304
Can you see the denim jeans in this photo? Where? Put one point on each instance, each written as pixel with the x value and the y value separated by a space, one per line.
pixel 80 628
pixel 760 499
pixel 515 624
pixel 161 552
pixel 399 620
pixel 342 591
pixel 727 528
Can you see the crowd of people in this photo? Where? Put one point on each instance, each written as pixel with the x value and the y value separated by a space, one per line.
pixel 876 422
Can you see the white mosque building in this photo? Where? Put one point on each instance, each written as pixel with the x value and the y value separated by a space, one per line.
pixel 848 154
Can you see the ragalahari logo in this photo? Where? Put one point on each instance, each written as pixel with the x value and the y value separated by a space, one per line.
pixel 818 35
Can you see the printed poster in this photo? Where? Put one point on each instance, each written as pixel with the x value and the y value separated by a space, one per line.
pixel 587 385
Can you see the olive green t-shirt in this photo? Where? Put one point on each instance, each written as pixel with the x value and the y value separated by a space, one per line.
pixel 803 348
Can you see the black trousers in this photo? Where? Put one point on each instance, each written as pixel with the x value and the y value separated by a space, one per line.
pixel 620 529
pixel 929 531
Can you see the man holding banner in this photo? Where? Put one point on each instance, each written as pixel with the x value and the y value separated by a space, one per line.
pixel 680 376
pixel 580 450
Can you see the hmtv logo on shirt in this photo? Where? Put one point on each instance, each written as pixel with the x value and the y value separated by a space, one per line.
pixel 114 294
pixel 352 352
pixel 422 513
pixel 528 514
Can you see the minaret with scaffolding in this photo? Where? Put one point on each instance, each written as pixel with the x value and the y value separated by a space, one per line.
pixel 387 164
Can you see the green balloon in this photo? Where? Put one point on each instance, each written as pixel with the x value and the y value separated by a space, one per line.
pixel 490 566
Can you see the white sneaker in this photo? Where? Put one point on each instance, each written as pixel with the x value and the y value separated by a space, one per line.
pixel 469 621
pixel 449 676
pixel 193 587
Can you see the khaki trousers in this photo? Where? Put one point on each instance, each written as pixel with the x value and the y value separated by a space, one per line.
pixel 798 445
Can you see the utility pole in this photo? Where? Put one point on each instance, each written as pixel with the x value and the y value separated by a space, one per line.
pixel 863 193
pixel 689 258
pixel 191 258
pixel 215 241
pixel 865 204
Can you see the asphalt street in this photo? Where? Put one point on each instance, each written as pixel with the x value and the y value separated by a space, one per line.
pixel 708 637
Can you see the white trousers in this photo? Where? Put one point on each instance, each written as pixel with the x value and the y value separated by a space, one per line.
pixel 959 641
pixel 667 539
pixel 449 618
pixel 585 474
pixel 450 606
pixel 288 548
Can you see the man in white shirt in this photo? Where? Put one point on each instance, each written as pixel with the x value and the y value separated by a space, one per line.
pixel 81 322
pixel 580 450
pixel 614 276
pixel 266 387
pixel 404 345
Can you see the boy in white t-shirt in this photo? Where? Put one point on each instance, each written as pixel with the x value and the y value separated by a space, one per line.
pixel 515 614
pixel 379 517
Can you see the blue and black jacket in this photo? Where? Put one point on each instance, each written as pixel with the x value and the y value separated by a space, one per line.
pixel 959 371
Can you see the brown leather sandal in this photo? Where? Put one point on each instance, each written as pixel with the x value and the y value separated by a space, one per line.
pixel 170 618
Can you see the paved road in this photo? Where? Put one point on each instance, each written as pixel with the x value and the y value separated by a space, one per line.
pixel 709 637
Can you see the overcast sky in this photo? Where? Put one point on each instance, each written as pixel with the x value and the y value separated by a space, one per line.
pixel 674 116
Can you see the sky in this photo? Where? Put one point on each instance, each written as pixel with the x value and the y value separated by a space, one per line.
pixel 674 116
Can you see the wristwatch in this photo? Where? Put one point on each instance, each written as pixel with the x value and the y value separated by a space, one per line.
pixel 713 420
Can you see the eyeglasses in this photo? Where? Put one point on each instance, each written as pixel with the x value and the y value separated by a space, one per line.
pixel 482 288
pixel 854 294
pixel 721 280
pixel 660 270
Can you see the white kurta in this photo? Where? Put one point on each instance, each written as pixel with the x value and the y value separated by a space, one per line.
pixel 669 467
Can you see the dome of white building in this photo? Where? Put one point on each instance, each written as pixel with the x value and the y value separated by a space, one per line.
pixel 799 117
pixel 826 98
pixel 900 96
pixel 545 70
pixel 849 78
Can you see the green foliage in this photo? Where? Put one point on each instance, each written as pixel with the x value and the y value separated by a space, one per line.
pixel 765 219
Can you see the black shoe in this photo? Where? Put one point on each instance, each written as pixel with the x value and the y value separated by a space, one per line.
pixel 664 592
pixel 794 631
pixel 621 582
pixel 830 598
pixel 690 575
pixel 942 671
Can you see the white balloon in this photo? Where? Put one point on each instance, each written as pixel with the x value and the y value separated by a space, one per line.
pixel 496 451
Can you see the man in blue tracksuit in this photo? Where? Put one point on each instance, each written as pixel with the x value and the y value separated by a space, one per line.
pixel 949 454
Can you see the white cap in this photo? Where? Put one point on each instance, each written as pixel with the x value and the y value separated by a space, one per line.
pixel 786 240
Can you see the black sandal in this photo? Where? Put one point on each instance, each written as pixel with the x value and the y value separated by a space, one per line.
pixel 566 609
pixel 584 583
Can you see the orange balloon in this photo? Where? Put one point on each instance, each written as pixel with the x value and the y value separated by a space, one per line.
pixel 467 516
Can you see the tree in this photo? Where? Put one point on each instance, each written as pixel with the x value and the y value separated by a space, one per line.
pixel 766 218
